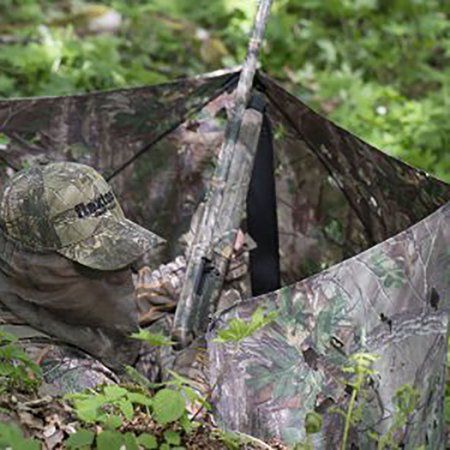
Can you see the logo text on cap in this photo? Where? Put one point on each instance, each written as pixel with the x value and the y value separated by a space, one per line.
pixel 96 207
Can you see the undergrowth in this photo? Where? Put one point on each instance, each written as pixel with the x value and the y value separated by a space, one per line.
pixel 139 414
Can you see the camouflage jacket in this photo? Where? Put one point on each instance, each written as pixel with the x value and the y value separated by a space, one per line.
pixel 68 369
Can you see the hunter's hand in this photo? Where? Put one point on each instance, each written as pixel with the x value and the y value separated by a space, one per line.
pixel 157 291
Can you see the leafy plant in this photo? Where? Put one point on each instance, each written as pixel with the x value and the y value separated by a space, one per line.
pixel 113 405
pixel 154 339
pixel 109 405
pixel 17 370
pixel 11 437
pixel 168 406
pixel 360 368
pixel 110 440
pixel 80 439
pixel 239 329
pixel 313 425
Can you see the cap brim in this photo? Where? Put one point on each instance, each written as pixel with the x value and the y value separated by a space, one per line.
pixel 114 245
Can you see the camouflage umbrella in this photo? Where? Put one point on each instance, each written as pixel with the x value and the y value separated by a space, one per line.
pixel 363 240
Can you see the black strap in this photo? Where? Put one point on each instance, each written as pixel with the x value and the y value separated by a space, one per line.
pixel 262 217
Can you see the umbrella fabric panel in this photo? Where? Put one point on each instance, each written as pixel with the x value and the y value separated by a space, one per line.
pixel 386 195
pixel 391 300
pixel 102 129
pixel 317 225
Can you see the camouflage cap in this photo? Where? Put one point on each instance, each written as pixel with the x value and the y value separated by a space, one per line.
pixel 69 208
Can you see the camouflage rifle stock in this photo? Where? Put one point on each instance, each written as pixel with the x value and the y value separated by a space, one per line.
pixel 213 243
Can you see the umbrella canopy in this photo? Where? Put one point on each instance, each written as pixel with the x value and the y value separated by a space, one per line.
pixel 364 243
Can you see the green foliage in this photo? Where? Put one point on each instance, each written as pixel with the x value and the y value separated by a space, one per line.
pixel 106 406
pixel 231 440
pixel 111 406
pixel 168 406
pixel 360 368
pixel 80 439
pixel 405 401
pixel 380 69
pixel 154 339
pixel 172 437
pixel 147 441
pixel 11 437
pixel 109 440
pixel 17 370
pixel 239 329
pixel 313 423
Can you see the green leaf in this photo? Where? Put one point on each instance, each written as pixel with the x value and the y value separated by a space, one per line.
pixel 130 441
pixel 87 406
pixel 109 440
pixel 80 439
pixel 186 424
pixel 154 339
pixel 141 399
pixel 172 437
pixel 88 414
pixel 168 406
pixel 7 338
pixel 11 437
pixel 313 422
pixel 113 392
pixel 126 408
pixel 88 411
pixel 28 444
pixel 147 441
pixel 112 422
pixel 239 329
pixel 447 409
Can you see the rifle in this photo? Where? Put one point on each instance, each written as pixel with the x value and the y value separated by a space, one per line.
pixel 215 236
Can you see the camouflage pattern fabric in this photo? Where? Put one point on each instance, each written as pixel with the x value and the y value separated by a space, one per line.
pixel 65 369
pixel 90 309
pixel 69 208
pixel 391 300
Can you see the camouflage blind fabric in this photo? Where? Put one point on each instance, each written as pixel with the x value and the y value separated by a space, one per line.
pixel 378 225
pixel 390 301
